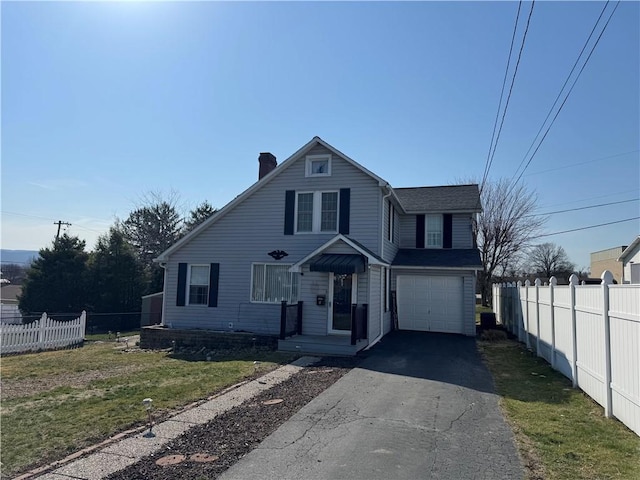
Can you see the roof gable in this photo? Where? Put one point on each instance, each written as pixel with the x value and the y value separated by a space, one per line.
pixel 450 198
pixel 372 258
pixel 260 184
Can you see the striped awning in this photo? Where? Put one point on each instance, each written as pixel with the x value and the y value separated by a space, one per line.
pixel 338 263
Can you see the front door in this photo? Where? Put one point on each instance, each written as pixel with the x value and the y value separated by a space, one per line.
pixel 342 289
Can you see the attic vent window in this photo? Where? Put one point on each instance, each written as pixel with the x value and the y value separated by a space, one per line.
pixel 318 166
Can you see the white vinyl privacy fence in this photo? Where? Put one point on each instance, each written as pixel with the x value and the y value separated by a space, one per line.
pixel 43 334
pixel 590 333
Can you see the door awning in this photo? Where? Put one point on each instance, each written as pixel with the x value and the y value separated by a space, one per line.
pixel 338 263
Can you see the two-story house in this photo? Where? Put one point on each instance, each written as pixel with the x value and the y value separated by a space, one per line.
pixel 322 229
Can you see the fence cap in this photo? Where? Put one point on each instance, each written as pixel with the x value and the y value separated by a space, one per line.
pixel 553 281
pixel 607 277
pixel 573 279
pixel 538 282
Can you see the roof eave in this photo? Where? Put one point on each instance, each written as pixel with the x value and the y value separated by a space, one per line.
pixel 629 249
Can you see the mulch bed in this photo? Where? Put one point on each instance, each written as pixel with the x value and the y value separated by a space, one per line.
pixel 205 451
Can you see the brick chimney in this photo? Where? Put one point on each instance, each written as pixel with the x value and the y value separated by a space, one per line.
pixel 267 164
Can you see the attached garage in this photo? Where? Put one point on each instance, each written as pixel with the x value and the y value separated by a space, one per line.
pixel 431 303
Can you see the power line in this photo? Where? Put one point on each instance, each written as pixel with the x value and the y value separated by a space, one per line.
pixel 504 83
pixel 567 95
pixel 506 105
pixel 555 102
pixel 634 190
pixel 581 163
pixel 586 228
pixel 4 212
pixel 582 208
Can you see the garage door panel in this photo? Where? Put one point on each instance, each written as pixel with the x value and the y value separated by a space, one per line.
pixel 430 303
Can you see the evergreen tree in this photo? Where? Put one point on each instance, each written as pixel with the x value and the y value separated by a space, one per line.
pixel 199 215
pixel 116 277
pixel 56 280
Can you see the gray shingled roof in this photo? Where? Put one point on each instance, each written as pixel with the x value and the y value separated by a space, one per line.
pixel 438 257
pixel 451 198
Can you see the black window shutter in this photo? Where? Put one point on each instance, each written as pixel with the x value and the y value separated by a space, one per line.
pixel 214 274
pixel 447 230
pixel 345 208
pixel 289 211
pixel 182 285
pixel 419 231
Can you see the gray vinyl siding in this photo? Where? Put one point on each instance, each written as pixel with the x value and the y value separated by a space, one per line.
pixel 255 227
pixel 468 293
pixel 390 248
pixel 374 302
pixel 314 317
pixel 462 236
pixel 341 248
pixel 407 226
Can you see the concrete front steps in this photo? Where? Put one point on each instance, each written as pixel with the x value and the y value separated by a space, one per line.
pixel 339 345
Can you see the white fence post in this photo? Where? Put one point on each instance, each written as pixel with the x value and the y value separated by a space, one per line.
pixel 41 330
pixel 607 279
pixel 573 282
pixel 538 282
pixel 518 331
pixel 527 284
pixel 552 284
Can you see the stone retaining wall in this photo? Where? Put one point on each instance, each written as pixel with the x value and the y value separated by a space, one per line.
pixel 157 337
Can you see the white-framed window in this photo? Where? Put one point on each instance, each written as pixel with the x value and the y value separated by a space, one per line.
pixel 198 285
pixel 318 166
pixel 391 222
pixel 273 283
pixel 316 212
pixel 433 231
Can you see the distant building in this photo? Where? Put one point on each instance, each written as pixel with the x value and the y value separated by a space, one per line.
pixel 607 260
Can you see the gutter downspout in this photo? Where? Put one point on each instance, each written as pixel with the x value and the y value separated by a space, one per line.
pixel 384 197
pixel 164 296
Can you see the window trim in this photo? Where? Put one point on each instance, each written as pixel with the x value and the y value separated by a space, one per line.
pixel 426 230
pixel 308 171
pixel 294 276
pixel 188 285
pixel 391 222
pixel 316 215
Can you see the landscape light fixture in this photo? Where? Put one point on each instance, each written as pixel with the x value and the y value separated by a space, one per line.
pixel 147 402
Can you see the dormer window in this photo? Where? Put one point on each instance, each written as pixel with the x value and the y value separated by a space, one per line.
pixel 318 166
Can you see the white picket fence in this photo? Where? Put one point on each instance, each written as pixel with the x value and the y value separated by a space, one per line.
pixel 589 333
pixel 43 334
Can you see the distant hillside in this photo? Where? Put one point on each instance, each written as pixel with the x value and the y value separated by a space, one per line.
pixel 21 257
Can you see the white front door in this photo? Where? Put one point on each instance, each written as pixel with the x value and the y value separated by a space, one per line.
pixel 343 289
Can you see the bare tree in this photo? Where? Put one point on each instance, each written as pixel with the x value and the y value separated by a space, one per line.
pixel 151 229
pixel 504 229
pixel 14 272
pixel 548 259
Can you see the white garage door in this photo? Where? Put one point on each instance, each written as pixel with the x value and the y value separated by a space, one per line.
pixel 430 304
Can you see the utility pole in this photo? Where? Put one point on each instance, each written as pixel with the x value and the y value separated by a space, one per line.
pixel 60 223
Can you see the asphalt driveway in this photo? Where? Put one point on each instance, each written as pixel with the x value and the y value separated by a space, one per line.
pixel 419 406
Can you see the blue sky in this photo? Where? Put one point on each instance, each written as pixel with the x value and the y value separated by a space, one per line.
pixel 104 102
